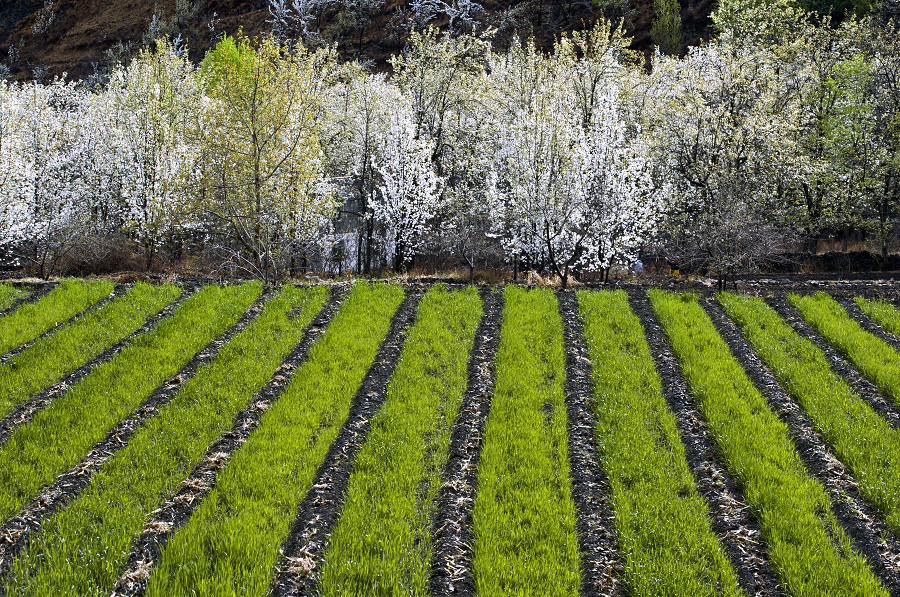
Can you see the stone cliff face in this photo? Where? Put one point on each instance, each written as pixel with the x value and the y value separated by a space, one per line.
pixel 72 36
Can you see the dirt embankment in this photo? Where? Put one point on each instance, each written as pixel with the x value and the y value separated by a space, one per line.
pixel 73 36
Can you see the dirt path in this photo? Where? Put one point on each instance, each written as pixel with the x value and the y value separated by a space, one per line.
pixel 451 570
pixel 600 565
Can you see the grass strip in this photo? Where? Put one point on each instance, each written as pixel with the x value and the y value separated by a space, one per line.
pixel 883 313
pixel 875 358
pixel 59 436
pixel 230 545
pixel 525 542
pixel 81 549
pixel 662 521
pixel 51 357
pixel 9 294
pixel 807 545
pixel 69 298
pixel 382 543
pixel 864 441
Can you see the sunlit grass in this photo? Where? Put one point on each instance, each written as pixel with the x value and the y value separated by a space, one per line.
pixel 382 544
pixel 81 549
pixel 52 357
pixel 231 544
pixel 58 437
pixel 807 546
pixel 662 521
pixel 9 294
pixel 69 298
pixel 864 441
pixel 524 516
pixel 876 360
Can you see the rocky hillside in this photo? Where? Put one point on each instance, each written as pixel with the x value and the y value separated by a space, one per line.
pixel 45 38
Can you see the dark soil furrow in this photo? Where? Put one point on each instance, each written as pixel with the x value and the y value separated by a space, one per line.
pixel 119 290
pixel 34 293
pixel 732 519
pixel 600 565
pixel 860 521
pixel 451 563
pixel 304 548
pixel 14 532
pixel 867 323
pixel 27 410
pixel 176 511
pixel 866 390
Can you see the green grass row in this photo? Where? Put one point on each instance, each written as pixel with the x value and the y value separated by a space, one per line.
pixel 812 554
pixel 81 549
pixel 50 358
pixel 60 436
pixel 231 544
pixel 525 542
pixel 9 294
pixel 69 298
pixel 874 358
pixel 882 312
pixel 382 544
pixel 864 441
pixel 662 522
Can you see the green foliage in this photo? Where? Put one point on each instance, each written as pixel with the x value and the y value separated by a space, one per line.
pixel 52 357
pixel 68 299
pixel 666 28
pixel 8 294
pixel 231 60
pixel 807 545
pixel 61 435
pixel 524 517
pixel 230 545
pixel 860 438
pixel 382 544
pixel 84 545
pixel 878 361
pixel 662 522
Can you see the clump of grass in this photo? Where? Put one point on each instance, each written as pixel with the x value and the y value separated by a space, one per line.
pixel 230 545
pixel 9 294
pixel 864 441
pixel 69 298
pixel 58 437
pixel 81 549
pixel 876 360
pixel 382 543
pixel 524 516
pixel 807 545
pixel 50 358
pixel 883 312
pixel 662 521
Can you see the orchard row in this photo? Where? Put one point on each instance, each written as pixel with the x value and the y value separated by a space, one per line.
pixel 268 158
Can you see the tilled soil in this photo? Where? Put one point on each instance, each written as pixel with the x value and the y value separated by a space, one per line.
pixel 860 521
pixel 600 565
pixel 451 571
pixel 26 411
pixel 304 549
pixel 15 532
pixel 117 291
pixel 176 510
pixel 731 517
pixel 866 390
